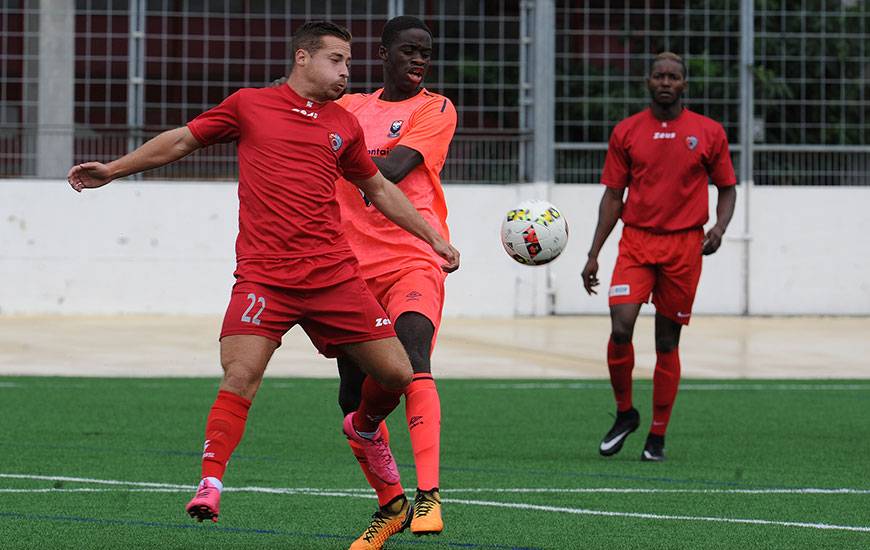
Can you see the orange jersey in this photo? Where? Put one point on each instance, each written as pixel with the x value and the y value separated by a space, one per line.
pixel 425 123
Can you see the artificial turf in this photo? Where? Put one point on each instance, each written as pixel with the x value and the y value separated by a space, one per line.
pixel 110 463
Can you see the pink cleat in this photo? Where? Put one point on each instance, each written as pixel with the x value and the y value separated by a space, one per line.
pixel 206 502
pixel 377 452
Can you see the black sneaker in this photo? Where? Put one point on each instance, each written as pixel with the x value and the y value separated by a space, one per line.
pixel 626 422
pixel 654 450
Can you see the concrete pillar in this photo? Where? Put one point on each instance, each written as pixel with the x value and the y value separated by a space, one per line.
pixel 54 142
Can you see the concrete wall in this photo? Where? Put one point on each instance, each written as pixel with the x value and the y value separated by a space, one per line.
pixel 168 248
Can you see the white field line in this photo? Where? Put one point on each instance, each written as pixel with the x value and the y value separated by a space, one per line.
pixel 364 493
pixel 711 386
pixel 526 490
pixel 582 511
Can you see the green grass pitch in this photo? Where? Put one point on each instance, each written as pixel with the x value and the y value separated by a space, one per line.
pixel 110 463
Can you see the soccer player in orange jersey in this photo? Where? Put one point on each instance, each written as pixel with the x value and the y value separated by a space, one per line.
pixel 407 132
pixel 293 144
pixel 665 156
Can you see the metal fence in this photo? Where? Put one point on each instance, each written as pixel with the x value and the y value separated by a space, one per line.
pixel 142 66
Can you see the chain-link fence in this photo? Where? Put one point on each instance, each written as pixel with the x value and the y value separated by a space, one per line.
pixel 143 66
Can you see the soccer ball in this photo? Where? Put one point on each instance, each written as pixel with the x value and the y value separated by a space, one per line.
pixel 534 233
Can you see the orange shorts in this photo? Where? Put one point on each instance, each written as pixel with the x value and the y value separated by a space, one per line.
pixel 666 266
pixel 418 289
pixel 344 313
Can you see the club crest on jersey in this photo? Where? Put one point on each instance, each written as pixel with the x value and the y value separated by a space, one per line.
pixel 395 128
pixel 335 141
pixel 691 142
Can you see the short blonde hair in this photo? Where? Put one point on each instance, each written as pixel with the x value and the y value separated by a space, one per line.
pixel 669 56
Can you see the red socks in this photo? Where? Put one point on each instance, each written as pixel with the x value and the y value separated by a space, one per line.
pixel 423 411
pixel 375 404
pixel 666 380
pixel 223 431
pixel 620 362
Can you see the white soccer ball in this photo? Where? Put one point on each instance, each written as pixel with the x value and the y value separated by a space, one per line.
pixel 534 233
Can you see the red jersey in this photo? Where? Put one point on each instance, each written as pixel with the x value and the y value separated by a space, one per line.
pixel 666 166
pixel 425 123
pixel 291 150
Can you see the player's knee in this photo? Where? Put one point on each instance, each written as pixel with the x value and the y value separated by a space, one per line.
pixel 620 335
pixel 665 344
pixel 240 378
pixel 397 378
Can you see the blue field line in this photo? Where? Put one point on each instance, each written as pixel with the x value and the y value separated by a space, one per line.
pixel 250 531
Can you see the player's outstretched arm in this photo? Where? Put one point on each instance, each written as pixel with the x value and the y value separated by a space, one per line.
pixel 395 205
pixel 158 151
pixel 608 214
pixel 724 212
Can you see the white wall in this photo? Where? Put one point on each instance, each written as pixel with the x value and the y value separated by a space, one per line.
pixel 168 248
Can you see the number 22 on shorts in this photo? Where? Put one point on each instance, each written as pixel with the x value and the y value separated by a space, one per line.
pixel 255 300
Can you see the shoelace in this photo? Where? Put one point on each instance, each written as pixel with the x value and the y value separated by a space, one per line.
pixel 423 504
pixel 378 523
pixel 383 449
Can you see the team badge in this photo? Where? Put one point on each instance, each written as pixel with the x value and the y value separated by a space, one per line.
pixel 335 141
pixel 395 128
pixel 691 142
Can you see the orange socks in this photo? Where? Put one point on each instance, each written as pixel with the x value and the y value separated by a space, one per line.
pixel 620 363
pixel 423 411
pixel 666 380
pixel 223 431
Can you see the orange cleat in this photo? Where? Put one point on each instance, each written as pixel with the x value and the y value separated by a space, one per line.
pixel 390 519
pixel 427 513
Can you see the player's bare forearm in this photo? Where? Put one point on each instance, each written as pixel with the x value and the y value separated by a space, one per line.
pixel 398 163
pixel 724 211
pixel 156 152
pixel 163 149
pixel 725 206
pixel 609 211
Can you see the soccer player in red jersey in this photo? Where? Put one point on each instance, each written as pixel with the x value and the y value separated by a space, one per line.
pixel 294 264
pixel 408 130
pixel 665 156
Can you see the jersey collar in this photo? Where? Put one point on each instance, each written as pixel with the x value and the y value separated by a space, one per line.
pixel 298 100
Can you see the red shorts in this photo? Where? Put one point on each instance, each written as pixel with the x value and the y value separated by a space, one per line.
pixel 343 313
pixel 418 289
pixel 668 266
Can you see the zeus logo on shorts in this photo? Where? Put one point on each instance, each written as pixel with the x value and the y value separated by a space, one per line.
pixel 382 322
pixel 620 290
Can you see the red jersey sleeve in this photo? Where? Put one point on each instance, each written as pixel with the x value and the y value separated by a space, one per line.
pixel 617 165
pixel 354 162
pixel 219 124
pixel 719 165
pixel 431 130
